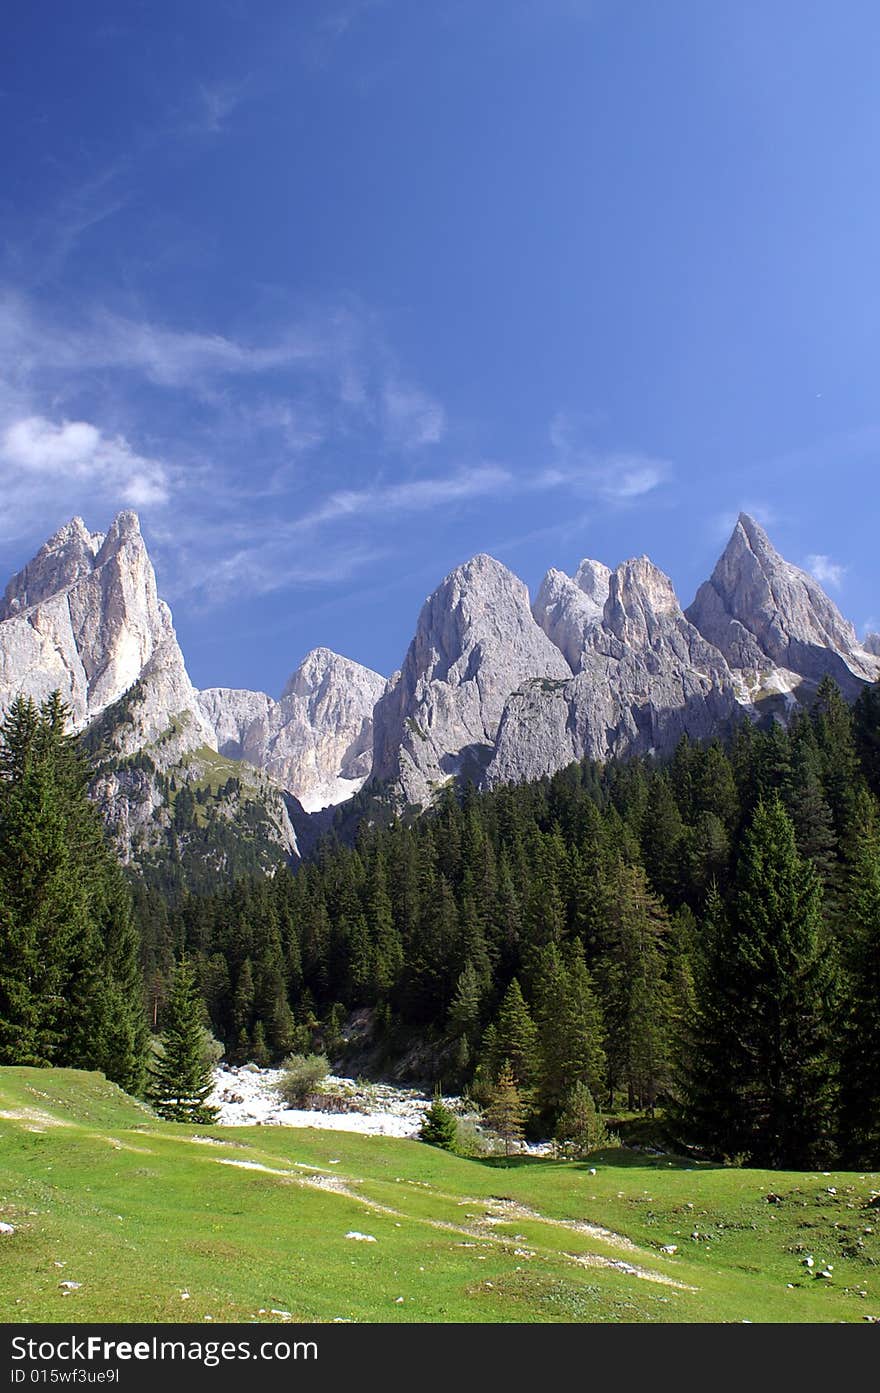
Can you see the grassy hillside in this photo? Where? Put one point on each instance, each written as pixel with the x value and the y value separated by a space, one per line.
pixel 160 1223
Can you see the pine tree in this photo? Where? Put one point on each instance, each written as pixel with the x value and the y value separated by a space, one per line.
pixel 513 1040
pixel 505 1112
pixel 580 1129
pixel 243 1011
pixel 835 736
pixel 760 1082
pixel 463 1021
pixel 569 1029
pixel 182 1076
pixel 439 1127
pixel 866 730
pixel 630 973
pixel 663 839
pixel 860 1074
pixel 70 984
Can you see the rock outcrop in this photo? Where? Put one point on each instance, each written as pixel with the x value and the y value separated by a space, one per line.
pixel 317 741
pixel 476 641
pixel 769 618
pixel 644 678
pixel 83 617
pixel 569 608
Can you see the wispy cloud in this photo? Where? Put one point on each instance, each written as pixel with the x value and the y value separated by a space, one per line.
pixel 826 571
pixel 412 417
pixel 289 457
pixel 417 496
pixel 40 252
pixel 92 407
pixel 267 569
pixel 614 476
pixel 215 102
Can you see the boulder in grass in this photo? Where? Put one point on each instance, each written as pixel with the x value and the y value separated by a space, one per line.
pixel 6 1228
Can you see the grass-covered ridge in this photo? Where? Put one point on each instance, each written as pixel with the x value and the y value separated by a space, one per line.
pixel 157 1222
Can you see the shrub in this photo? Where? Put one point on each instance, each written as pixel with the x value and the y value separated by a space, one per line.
pixel 473 1142
pixel 303 1074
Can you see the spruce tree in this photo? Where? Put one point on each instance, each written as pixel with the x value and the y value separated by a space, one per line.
pixel 463 1021
pixel 182 1074
pixel 513 1040
pixel 860 1074
pixel 70 985
pixel 439 1127
pixel 760 1082
pixel 505 1111
pixel 866 731
pixel 570 1029
pixel 636 1001
pixel 580 1129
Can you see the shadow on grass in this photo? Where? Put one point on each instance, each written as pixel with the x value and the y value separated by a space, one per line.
pixel 616 1157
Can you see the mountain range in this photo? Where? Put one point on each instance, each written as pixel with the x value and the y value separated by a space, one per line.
pixel 493 688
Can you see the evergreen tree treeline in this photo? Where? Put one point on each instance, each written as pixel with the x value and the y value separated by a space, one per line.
pixel 702 933
pixel 70 981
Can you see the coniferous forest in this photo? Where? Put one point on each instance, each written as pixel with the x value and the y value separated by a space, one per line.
pixel 699 938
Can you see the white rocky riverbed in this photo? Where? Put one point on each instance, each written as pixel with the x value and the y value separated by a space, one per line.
pixel 247 1096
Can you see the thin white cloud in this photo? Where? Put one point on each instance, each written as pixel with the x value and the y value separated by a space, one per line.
pixel 826 571
pixel 620 478
pixel 38 251
pixel 419 495
pixel 272 567
pixel 614 476
pixel 412 417
pixel 215 103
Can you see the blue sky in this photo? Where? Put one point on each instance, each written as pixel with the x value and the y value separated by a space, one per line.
pixel 337 294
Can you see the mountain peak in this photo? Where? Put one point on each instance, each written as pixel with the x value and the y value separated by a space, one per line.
pixel 321 667
pixel 83 616
pixel 761 611
pixel 593 578
pixel 641 598
pixel 475 642
pixel 65 558
pixel 124 530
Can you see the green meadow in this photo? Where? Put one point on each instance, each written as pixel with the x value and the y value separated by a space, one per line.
pixel 158 1222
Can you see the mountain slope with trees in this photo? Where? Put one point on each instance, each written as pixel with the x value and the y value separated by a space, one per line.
pixel 699 933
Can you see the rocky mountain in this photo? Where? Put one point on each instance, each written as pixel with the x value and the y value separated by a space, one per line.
pixel 605 663
pixel 475 642
pixel 84 617
pixel 317 741
pixel 644 677
pixel 771 619
pixel 569 608
pixel 479 695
